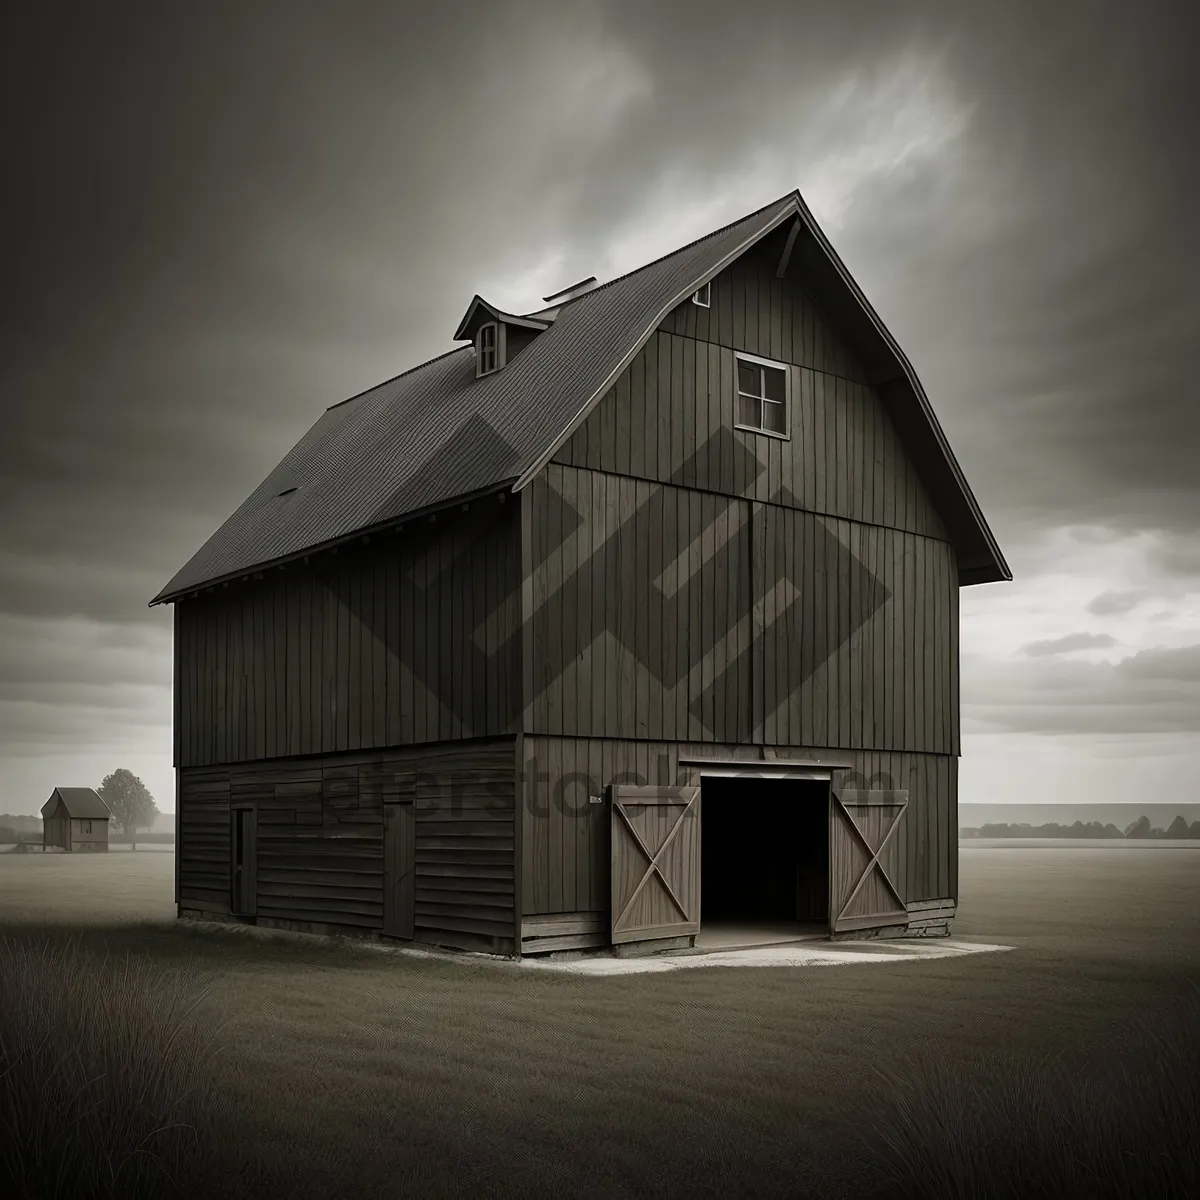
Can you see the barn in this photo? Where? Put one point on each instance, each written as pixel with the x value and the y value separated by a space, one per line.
pixel 632 622
pixel 75 818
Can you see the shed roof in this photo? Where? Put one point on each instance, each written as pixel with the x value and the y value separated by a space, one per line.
pixel 80 802
pixel 437 434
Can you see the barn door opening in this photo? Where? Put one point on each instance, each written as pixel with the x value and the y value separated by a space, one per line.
pixel 765 862
pixel 655 868
pixel 244 868
pixel 864 858
pixel 399 870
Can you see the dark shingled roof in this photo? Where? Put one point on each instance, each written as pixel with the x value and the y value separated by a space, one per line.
pixel 437 433
pixel 80 803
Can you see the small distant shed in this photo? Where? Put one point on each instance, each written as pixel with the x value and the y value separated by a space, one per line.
pixel 75 818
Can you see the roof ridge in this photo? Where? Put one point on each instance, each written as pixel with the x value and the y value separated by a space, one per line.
pixel 383 383
pixel 679 250
pixel 608 283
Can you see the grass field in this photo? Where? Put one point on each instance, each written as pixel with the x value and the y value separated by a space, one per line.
pixel 351 1071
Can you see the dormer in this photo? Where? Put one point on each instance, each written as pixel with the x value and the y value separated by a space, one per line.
pixel 498 336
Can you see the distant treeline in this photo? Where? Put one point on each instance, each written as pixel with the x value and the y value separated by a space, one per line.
pixel 18 824
pixel 1141 828
pixel 20 828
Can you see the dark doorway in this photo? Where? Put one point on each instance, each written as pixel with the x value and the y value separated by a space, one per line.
pixel 399 870
pixel 243 867
pixel 765 854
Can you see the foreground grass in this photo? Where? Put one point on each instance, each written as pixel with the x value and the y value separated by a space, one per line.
pixel 105 1081
pixel 376 1074
pixel 1122 1122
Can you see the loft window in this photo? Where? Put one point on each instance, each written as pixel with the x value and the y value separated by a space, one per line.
pixel 703 296
pixel 762 399
pixel 485 346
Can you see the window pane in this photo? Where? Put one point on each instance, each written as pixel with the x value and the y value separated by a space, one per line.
pixel 750 411
pixel 487 337
pixel 776 382
pixel 773 417
pixel 748 379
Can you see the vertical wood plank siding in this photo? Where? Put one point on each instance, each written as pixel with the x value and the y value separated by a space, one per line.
pixel 565 848
pixel 413 637
pixel 700 617
pixel 842 458
pixel 320 838
pixel 742 591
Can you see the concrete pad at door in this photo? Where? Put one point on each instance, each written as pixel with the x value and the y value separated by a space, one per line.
pixel 826 955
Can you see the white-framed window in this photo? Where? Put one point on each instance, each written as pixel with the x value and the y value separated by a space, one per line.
pixel 763 395
pixel 703 296
pixel 487 348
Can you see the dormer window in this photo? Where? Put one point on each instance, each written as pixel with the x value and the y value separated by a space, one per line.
pixel 487 349
pixel 703 296
pixel 496 337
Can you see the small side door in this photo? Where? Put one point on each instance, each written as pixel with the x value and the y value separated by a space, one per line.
pixel 399 869
pixel 244 873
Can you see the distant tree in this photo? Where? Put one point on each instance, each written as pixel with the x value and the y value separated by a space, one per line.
pixel 1139 829
pixel 1194 830
pixel 130 803
pixel 1111 831
pixel 1178 828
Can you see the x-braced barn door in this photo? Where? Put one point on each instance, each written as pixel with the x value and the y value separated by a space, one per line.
pixel 399 869
pixel 244 867
pixel 863 892
pixel 655 862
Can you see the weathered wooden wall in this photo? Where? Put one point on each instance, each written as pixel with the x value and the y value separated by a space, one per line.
pixel 411 638
pixel 667 613
pixel 320 838
pixel 565 847
pixel 702 589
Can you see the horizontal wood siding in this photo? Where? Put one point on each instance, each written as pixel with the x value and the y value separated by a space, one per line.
pixel 203 854
pixel 320 838
pixel 565 845
pixel 408 639
pixel 665 613
pixel 670 415
pixel 464 846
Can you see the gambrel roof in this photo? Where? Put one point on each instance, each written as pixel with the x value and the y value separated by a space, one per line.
pixel 437 434
pixel 79 802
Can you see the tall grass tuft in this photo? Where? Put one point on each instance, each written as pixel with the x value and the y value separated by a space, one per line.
pixel 105 1081
pixel 1123 1122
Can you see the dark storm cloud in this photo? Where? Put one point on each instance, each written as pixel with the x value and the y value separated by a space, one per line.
pixel 1064 645
pixel 235 215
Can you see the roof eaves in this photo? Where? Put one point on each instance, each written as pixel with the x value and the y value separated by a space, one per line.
pixel 999 570
pixel 355 535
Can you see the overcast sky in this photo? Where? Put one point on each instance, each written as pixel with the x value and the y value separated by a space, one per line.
pixel 224 218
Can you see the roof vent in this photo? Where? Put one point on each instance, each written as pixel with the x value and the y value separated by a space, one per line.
pixel 576 289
